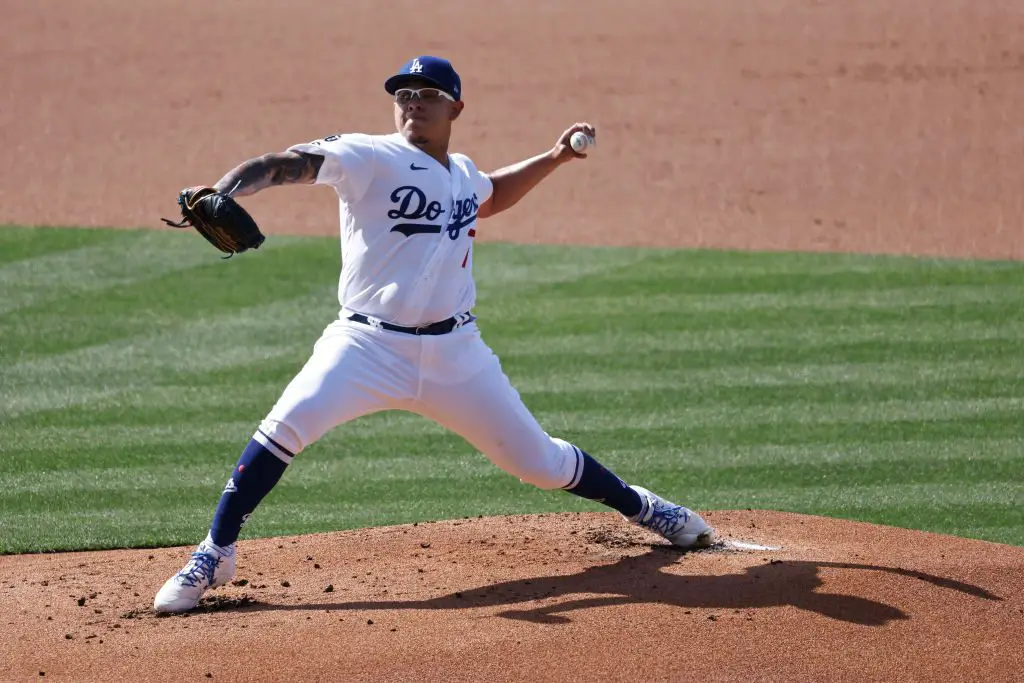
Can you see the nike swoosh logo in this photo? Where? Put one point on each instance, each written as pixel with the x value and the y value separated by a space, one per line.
pixel 414 167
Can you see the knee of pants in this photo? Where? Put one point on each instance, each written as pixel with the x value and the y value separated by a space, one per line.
pixel 283 435
pixel 558 467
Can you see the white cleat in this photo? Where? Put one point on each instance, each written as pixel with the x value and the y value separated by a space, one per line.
pixel 209 567
pixel 682 526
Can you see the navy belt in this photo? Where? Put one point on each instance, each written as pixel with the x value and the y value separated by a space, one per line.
pixel 442 327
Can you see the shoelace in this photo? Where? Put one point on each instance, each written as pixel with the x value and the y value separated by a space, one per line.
pixel 202 565
pixel 666 520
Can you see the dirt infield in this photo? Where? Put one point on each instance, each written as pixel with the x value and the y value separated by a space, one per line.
pixel 550 597
pixel 807 124
pixel 804 125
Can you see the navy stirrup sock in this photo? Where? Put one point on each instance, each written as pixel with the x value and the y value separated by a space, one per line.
pixel 257 471
pixel 603 486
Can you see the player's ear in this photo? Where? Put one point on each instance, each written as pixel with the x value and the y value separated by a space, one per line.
pixel 456 110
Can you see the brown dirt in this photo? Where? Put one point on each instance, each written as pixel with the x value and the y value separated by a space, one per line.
pixel 806 125
pixel 812 124
pixel 541 597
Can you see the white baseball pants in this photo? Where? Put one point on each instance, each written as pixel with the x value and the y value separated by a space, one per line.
pixel 453 379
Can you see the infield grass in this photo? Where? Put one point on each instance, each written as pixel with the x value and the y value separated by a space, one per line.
pixel 134 366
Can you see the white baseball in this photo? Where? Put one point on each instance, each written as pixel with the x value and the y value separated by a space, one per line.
pixel 580 141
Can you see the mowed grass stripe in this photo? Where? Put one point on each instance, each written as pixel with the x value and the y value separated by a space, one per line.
pixel 672 390
pixel 675 272
pixel 838 492
pixel 662 265
pixel 145 519
pixel 638 449
pixel 338 459
pixel 180 520
pixel 236 339
pixel 611 410
pixel 310 472
pixel 26 440
pixel 976 512
pixel 792 415
pixel 786 433
pixel 507 269
pixel 650 356
pixel 841 377
pixel 103 446
pixel 18 243
pixel 160 304
pixel 776 372
pixel 882 303
pixel 124 346
pixel 137 361
pixel 667 399
pixel 842 497
pixel 92 268
pixel 611 340
pixel 860 453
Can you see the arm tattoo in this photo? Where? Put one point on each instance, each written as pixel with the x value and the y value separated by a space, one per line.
pixel 280 168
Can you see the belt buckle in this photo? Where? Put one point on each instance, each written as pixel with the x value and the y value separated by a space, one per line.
pixel 375 323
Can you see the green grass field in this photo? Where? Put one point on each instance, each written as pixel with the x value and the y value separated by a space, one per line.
pixel 134 366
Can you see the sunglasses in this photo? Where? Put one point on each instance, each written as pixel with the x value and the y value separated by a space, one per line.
pixel 426 95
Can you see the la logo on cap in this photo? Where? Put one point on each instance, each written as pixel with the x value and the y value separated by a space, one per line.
pixel 416 67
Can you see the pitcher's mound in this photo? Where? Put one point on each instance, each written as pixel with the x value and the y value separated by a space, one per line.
pixel 539 597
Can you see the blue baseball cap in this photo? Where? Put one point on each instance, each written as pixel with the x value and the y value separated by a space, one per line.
pixel 431 69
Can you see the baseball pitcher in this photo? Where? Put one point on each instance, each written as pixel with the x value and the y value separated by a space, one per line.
pixel 405 337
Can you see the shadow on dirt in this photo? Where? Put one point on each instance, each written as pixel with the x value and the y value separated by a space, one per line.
pixel 639 580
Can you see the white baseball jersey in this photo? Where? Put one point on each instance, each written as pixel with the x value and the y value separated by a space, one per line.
pixel 407 226
pixel 406 236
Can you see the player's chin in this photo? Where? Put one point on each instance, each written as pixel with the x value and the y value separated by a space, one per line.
pixel 415 132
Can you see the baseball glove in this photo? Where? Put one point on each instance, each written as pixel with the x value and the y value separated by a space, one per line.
pixel 218 218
